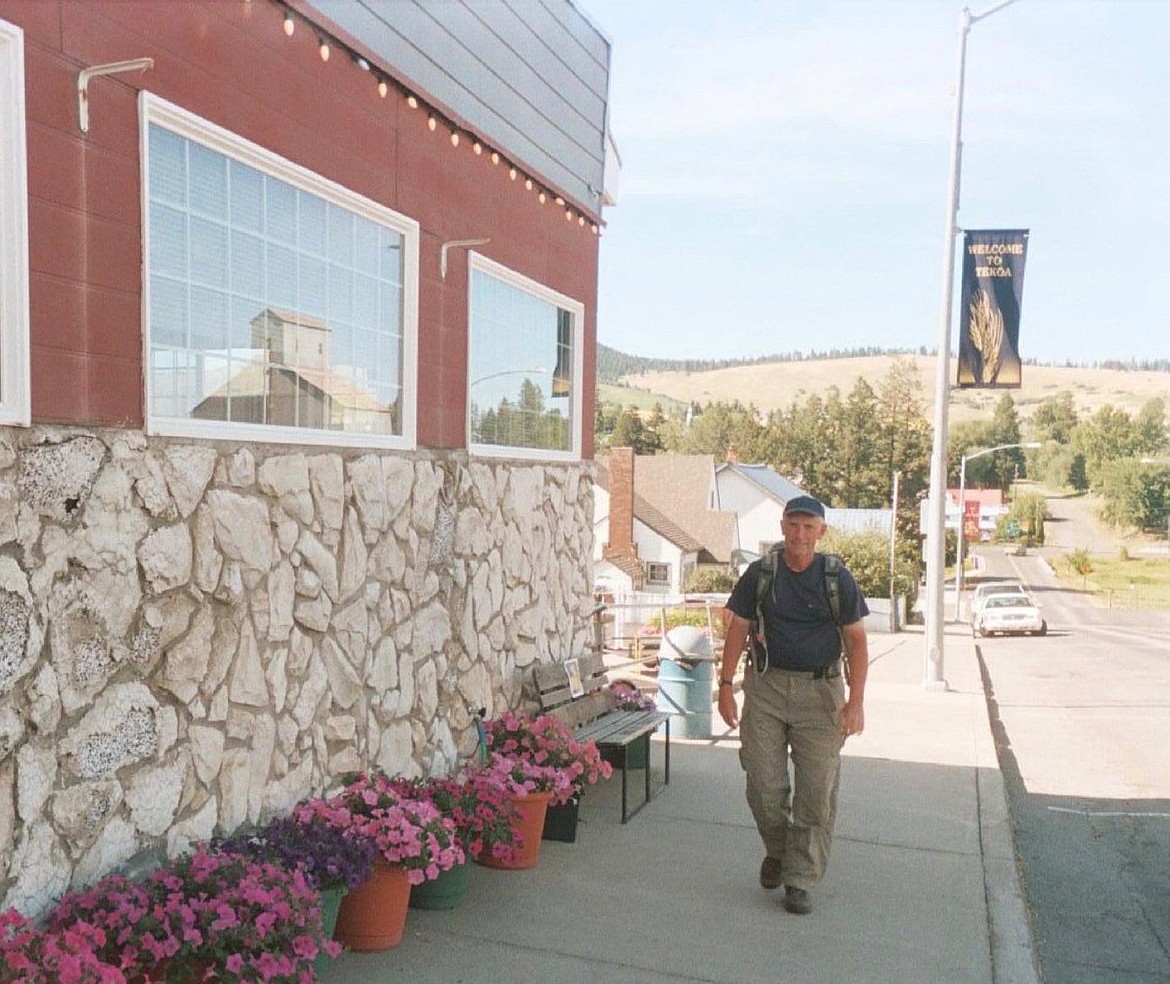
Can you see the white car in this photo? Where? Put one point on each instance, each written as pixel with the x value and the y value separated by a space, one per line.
pixel 1009 614
pixel 988 588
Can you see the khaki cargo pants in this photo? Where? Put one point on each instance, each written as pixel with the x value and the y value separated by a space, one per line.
pixel 788 713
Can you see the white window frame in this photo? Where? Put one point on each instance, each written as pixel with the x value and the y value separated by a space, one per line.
pixel 154 110
pixel 14 313
pixel 481 263
pixel 668 568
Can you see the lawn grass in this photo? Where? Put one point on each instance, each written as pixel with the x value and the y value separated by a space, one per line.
pixel 1136 582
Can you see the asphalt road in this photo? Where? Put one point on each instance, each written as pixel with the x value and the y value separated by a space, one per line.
pixel 1082 721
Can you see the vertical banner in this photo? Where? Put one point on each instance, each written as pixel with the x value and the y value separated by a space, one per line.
pixel 989 308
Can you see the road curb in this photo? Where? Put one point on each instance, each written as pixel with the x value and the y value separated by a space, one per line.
pixel 1009 921
pixel 1013 952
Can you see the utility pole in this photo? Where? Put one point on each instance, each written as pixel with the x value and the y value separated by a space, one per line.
pixel 936 531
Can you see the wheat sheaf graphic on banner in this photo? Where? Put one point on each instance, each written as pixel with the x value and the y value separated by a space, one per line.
pixel 985 329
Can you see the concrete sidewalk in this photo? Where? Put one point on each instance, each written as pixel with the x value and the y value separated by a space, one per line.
pixel 921 887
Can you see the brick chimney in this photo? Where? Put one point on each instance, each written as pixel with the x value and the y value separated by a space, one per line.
pixel 621 504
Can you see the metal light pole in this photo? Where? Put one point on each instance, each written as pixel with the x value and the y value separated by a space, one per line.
pixel 936 531
pixel 963 513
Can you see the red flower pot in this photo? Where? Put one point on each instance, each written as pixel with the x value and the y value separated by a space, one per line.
pixel 532 809
pixel 373 915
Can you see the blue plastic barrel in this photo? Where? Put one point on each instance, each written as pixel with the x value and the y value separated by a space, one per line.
pixel 685 682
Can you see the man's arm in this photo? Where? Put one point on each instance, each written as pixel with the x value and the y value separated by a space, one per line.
pixel 734 638
pixel 852 720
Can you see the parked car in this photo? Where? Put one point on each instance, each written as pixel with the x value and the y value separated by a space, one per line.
pixel 1009 614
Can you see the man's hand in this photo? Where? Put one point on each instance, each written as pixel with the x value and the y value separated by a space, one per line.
pixel 851 720
pixel 727 707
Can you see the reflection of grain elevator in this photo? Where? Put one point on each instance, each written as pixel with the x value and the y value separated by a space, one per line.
pixel 290 339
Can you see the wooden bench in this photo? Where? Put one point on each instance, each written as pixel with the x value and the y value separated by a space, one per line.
pixel 575 691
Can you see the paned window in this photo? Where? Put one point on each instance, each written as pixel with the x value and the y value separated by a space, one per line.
pixel 524 371
pixel 280 306
pixel 657 573
pixel 14 319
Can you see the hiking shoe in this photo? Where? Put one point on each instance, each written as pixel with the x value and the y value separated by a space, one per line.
pixel 770 876
pixel 796 900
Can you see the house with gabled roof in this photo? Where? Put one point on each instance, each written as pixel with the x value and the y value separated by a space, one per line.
pixel 757 494
pixel 637 547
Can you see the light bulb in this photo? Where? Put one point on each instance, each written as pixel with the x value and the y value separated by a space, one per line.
pixel 568 215
pixel 289 24
pixel 432 123
pixel 477 147
pixel 595 230
pixel 528 183
pixel 495 157
pixel 512 173
pixel 541 197
pixel 412 101
pixel 560 200
pixel 581 221
pixel 383 88
pixel 454 139
pixel 324 49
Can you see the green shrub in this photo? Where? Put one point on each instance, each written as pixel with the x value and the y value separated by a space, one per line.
pixel 710 580
pixel 1080 562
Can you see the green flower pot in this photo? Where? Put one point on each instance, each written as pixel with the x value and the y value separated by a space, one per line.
pixel 636 754
pixel 330 905
pixel 444 892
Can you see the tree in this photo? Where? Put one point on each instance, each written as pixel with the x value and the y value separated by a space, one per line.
pixel 1151 427
pixel 629 432
pixel 1109 434
pixel 1134 494
pixel 724 426
pixel 654 428
pixel 1054 419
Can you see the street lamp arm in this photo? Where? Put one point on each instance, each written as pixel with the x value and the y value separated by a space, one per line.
pixel 1002 447
pixel 972 18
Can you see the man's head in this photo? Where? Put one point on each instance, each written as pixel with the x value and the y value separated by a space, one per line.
pixel 805 504
pixel 803 525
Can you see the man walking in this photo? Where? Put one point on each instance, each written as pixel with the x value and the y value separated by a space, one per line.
pixel 808 606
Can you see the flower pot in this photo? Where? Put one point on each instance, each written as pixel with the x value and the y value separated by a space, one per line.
pixel 330 905
pixel 444 892
pixel 532 809
pixel 373 916
pixel 635 755
pixel 560 821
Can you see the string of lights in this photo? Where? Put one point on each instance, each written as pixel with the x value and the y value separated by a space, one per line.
pixel 385 85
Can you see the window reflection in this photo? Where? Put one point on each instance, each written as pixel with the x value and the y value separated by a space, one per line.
pixel 269 304
pixel 521 367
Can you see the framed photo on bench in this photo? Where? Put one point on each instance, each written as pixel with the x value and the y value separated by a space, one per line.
pixel 573 672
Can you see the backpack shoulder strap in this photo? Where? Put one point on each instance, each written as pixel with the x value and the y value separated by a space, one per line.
pixel 833 585
pixel 768 566
pixel 757 644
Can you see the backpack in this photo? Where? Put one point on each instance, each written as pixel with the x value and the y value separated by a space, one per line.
pixel 758 646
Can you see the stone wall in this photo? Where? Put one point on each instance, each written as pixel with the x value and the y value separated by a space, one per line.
pixel 194 637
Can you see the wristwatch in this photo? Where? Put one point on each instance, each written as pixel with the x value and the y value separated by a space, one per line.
pixel 726 683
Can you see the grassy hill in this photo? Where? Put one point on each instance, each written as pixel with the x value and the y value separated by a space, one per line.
pixel 774 385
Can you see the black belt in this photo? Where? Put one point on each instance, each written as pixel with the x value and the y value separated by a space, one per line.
pixel 830 672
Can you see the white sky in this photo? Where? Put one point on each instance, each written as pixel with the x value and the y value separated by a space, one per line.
pixel 785 162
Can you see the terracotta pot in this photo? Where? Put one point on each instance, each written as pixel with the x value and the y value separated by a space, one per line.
pixel 444 892
pixel 531 809
pixel 372 916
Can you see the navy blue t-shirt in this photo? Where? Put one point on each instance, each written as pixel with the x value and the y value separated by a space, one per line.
pixel 798 622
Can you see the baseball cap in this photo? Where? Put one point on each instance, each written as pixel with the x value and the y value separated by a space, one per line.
pixel 804 504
